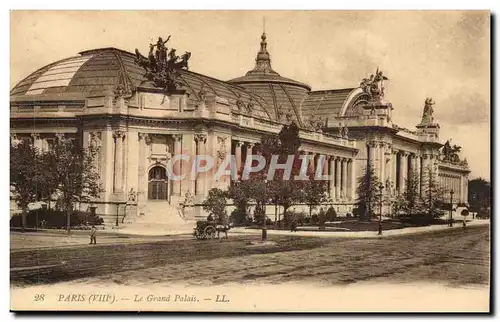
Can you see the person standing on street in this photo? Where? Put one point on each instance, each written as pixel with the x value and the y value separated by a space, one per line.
pixel 93 232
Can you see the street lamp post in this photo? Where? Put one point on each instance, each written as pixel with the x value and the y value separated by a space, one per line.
pixel 381 188
pixel 264 226
pixel 451 208
pixel 117 213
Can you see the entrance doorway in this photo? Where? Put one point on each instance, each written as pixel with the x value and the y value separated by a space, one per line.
pixel 158 184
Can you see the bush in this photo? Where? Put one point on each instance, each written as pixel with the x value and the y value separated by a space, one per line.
pixel 301 218
pixel 420 219
pixel 331 214
pixel 239 216
pixel 45 218
pixel 358 211
pixel 483 214
pixel 259 216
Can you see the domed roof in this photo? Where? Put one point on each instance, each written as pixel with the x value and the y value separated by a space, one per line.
pixel 99 71
pixel 262 90
pixel 286 95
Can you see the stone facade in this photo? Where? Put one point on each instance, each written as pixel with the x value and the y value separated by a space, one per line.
pixel 138 131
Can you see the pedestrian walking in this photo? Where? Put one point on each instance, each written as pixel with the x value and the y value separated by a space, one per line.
pixel 293 223
pixel 93 232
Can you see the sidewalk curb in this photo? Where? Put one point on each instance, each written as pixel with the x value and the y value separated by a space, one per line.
pixel 359 234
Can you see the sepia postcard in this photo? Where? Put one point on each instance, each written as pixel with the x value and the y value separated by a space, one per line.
pixel 250 161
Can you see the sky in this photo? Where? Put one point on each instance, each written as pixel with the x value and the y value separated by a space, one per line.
pixel 440 54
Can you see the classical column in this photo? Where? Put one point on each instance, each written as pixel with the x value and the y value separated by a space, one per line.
pixel 411 164
pixel 332 177
pixel 387 163
pixel 381 157
pixel 118 171
pixel 350 179
pixel 403 171
pixel 419 174
pixel 131 162
pixel 344 178
pixel 425 173
pixel 466 189
pixel 312 163
pixel 201 139
pixel 107 168
pixel 325 167
pixel 463 183
pixel 176 189
pixel 250 146
pixel 374 157
pixel 141 189
pixel 394 163
pixel 238 156
pixel 337 179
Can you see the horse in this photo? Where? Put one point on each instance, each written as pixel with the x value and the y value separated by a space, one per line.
pixel 223 228
pixel 184 61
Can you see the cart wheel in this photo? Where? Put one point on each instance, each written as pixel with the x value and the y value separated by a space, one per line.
pixel 210 232
pixel 198 235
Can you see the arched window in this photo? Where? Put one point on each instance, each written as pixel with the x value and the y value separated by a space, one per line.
pixel 157 187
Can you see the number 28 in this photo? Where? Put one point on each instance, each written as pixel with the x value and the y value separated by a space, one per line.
pixel 39 297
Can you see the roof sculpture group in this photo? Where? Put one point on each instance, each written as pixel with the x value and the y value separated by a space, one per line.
pixel 374 86
pixel 451 153
pixel 162 66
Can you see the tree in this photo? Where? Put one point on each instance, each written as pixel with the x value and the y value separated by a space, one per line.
pixel 262 189
pixel 284 191
pixel 254 189
pixel 74 170
pixel 29 176
pixel 215 204
pixel 433 194
pixel 409 202
pixel 315 193
pixel 479 195
pixel 367 194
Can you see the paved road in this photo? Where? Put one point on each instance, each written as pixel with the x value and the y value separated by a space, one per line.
pixel 51 239
pixel 450 256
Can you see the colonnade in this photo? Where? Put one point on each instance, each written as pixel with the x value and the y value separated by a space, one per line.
pixel 340 170
pixel 391 165
pixel 456 183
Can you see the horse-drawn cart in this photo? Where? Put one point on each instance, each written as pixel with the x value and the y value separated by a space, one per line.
pixel 205 230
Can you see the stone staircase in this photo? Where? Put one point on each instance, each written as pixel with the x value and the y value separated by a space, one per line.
pixel 160 218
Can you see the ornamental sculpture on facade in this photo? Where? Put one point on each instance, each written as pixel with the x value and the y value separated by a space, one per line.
pixel 289 116
pixel 286 117
pixel 132 195
pixel 250 105
pixel 428 114
pixel 95 140
pixel 240 104
pixel 343 131
pixel 374 86
pixel 451 153
pixel 161 68
pixel 316 123
pixel 202 94
pixel 221 152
